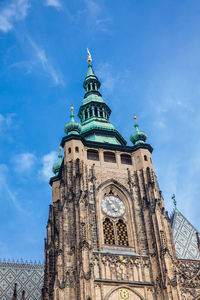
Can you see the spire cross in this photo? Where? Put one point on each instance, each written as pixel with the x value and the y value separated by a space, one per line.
pixel 174 201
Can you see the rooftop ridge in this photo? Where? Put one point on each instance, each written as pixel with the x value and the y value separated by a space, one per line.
pixel 21 261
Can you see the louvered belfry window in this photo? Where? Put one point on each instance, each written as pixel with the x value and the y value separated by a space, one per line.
pixel 122 234
pixel 108 231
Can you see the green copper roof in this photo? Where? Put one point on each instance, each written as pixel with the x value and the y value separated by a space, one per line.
pixel 56 166
pixel 94 113
pixel 90 71
pixel 138 137
pixel 72 127
pixel 93 97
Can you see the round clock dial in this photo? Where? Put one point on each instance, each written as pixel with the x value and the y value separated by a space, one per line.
pixel 112 206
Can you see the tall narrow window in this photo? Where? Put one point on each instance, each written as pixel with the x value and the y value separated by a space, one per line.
pixel 90 112
pixel 108 232
pixel 95 112
pixel 101 112
pixel 122 236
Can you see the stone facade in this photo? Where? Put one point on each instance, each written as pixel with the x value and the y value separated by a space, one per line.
pixel 79 265
pixel 108 234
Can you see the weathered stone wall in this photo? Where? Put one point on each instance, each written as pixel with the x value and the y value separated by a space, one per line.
pixel 79 265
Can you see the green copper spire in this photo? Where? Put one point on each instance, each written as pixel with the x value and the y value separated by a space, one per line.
pixel 56 166
pixel 138 137
pixel 94 113
pixel 72 127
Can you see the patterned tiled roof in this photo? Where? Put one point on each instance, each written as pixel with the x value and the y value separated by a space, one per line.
pixel 185 237
pixel 29 277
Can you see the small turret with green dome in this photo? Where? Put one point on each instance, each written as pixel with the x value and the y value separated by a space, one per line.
pixel 72 127
pixel 57 165
pixel 138 137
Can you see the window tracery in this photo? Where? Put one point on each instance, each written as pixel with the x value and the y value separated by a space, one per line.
pixel 122 235
pixel 108 231
pixel 116 217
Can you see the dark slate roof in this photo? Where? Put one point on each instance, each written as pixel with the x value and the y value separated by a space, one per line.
pixel 29 277
pixel 185 237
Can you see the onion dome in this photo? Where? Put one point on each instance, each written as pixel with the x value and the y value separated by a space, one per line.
pixel 138 137
pixel 72 127
pixel 56 166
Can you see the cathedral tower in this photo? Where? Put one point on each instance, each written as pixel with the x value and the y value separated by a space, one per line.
pixel 108 234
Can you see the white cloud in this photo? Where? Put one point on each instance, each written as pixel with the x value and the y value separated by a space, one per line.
pixel 47 163
pixel 44 61
pixel 5 189
pixel 7 122
pixel 98 15
pixel 111 78
pixel 15 11
pixel 24 162
pixel 54 3
pixel 108 77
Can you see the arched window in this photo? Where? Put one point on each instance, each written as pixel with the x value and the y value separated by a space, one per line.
pixel 126 159
pixel 92 154
pixel 69 150
pixel 95 112
pixel 109 157
pixel 76 149
pixel 108 232
pixel 145 158
pixel 122 236
pixel 93 86
pixel 90 112
pixel 88 87
pixel 101 112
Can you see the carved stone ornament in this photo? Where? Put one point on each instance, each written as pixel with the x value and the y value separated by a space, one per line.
pixel 70 277
pixel 189 273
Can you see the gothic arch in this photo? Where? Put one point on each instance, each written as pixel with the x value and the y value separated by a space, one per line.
pixel 125 287
pixel 116 183
pixel 112 185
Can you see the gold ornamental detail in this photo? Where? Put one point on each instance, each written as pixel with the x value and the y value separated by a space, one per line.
pixel 124 294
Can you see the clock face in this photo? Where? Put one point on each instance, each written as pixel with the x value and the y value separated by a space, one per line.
pixel 112 206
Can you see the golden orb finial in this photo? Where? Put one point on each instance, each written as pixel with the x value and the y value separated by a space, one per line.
pixel 71 108
pixel 135 118
pixel 89 59
pixel 60 148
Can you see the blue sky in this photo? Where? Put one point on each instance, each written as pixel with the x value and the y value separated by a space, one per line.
pixel 147 56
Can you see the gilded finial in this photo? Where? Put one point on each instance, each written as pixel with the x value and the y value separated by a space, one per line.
pixel 71 108
pixel 134 118
pixel 59 148
pixel 89 59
